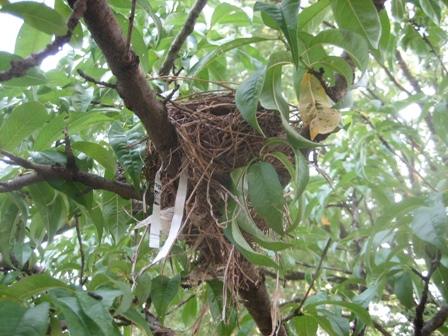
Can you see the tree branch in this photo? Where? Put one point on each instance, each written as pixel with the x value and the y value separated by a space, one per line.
pixel 186 30
pixel 131 82
pixel 420 309
pixel 297 311
pixel 258 303
pixel 19 182
pixel 438 320
pixel 45 172
pixel 20 67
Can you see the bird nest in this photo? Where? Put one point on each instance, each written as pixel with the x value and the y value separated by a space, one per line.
pixel 214 140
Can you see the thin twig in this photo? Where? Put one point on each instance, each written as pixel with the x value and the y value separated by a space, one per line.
pixel 81 250
pixel 46 172
pixel 131 25
pixel 180 304
pixel 297 311
pixel 93 80
pixel 185 31
pixel 428 42
pixel 392 78
pixel 20 67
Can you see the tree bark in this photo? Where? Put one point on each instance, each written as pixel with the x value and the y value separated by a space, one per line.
pixel 258 303
pixel 131 82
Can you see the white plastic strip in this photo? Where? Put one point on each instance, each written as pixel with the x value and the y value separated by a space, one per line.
pixel 154 233
pixel 177 218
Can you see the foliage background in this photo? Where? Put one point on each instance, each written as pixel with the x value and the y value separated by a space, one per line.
pixel 377 189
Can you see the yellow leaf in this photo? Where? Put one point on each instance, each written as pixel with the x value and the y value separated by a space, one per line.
pixel 325 221
pixel 315 107
pixel 324 122
pixel 312 98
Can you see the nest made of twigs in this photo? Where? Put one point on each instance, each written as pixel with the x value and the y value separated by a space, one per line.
pixel 214 140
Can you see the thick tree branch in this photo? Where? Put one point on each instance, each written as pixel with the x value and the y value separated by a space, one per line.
pixel 131 82
pixel 20 181
pixel 20 67
pixel 186 30
pixel 258 303
pixel 45 172
pixel 438 320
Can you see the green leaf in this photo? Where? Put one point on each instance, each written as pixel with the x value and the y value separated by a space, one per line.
pixel 43 195
pixel 397 210
pixel 20 321
pixel 51 132
pixel 247 97
pixel 353 43
pixel 30 40
pixel 233 233
pixel 242 213
pixel 75 190
pixel 22 252
pixel 95 310
pixel 79 121
pixel 359 310
pixel 305 325
pixel 404 289
pixel 81 98
pixel 163 291
pixel 98 153
pixel 359 16
pixel 128 149
pixel 397 9
pixel 367 296
pixel 32 77
pixel 302 176
pixel 312 16
pixel 325 324
pixel 285 16
pixel 22 122
pixel 211 56
pixel 33 285
pixel 440 124
pixel 38 16
pixel 220 307
pixel 271 96
pixel 430 225
pixel 78 322
pixel 433 9
pixel 136 318
pixel 9 215
pixel 227 13
pixel 295 139
pixel 339 324
pixel 190 311
pixel 266 194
